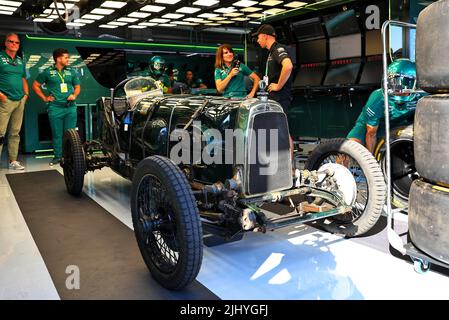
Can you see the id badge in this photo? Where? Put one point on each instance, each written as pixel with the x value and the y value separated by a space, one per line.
pixel 64 88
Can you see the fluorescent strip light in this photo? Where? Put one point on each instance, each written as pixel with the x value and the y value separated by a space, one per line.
pixel 75 24
pixel 205 3
pixel 295 4
pixel 234 14
pixel 188 10
pixel 255 22
pixel 139 15
pixel 240 19
pixel 167 1
pixel 185 23
pixel 151 8
pixel 83 21
pixel 147 24
pixel 92 17
pixel 116 23
pixel 226 10
pixel 217 18
pixel 136 27
pixel 225 22
pixel 68 6
pixel 244 3
pixel 42 20
pixel 212 24
pixel 270 3
pixel 159 20
pixel 195 20
pixel 251 9
pixel 274 11
pixel 256 15
pixel 167 25
pixel 102 11
pixel 107 26
pixel 172 16
pixel 113 4
pixel 11 3
pixel 124 19
pixel 12 9
pixel 207 15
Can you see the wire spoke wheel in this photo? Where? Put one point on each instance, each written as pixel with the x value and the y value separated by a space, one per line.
pixel 166 222
pixel 369 181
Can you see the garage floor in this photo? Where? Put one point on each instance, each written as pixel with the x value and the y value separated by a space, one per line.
pixel 291 263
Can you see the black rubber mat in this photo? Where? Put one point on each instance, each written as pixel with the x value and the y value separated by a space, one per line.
pixel 72 231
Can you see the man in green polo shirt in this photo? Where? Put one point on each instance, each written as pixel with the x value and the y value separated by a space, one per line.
pixel 63 86
pixel 13 95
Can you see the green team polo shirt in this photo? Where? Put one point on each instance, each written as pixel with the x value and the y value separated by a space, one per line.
pixel 53 79
pixel 235 87
pixel 11 73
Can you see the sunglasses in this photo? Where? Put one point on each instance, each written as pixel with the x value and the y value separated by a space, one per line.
pixel 11 41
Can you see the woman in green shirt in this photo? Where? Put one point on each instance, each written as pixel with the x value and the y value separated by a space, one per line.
pixel 230 81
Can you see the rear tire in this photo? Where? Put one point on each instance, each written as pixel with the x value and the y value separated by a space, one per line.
pixel 368 175
pixel 166 222
pixel 428 219
pixel 73 162
pixel 431 143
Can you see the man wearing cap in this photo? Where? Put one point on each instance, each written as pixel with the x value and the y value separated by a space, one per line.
pixel 13 95
pixel 278 68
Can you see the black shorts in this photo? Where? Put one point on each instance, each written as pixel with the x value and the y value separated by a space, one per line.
pixel 285 102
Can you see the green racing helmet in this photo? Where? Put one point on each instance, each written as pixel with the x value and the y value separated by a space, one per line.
pixel 401 75
pixel 157 66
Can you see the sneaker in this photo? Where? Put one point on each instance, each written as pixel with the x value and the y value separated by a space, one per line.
pixel 16 165
pixel 55 161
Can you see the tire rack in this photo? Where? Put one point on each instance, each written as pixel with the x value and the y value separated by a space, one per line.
pixel 421 260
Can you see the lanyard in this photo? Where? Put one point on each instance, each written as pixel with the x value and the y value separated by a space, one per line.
pixel 62 78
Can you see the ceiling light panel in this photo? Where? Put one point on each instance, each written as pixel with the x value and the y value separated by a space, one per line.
pixel 207 15
pixel 12 9
pixel 225 10
pixel 92 17
pixel 256 15
pixel 205 3
pixel 159 20
pixel 271 3
pixel 251 9
pixel 107 26
pixel 295 4
pixel 117 23
pixel 125 19
pixel 172 16
pixel 151 8
pixel 11 3
pixel 136 27
pixel 244 3
pixel 167 1
pixel 188 10
pixel 113 4
pixel 234 14
pixel 273 11
pixel 102 11
pixel 140 15
pixel 148 24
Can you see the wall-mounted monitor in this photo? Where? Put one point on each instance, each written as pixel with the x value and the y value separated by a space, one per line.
pixel 341 23
pixel 342 72
pixel 373 43
pixel 372 71
pixel 308 29
pixel 345 46
pixel 312 51
pixel 309 74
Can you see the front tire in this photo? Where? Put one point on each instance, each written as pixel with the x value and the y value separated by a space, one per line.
pixel 73 162
pixel 371 189
pixel 166 222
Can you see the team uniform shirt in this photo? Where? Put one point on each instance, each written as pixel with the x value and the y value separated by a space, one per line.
pixel 236 87
pixel 278 53
pixel 11 73
pixel 60 84
pixel 373 114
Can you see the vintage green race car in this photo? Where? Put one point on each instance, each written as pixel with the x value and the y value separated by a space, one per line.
pixel 203 162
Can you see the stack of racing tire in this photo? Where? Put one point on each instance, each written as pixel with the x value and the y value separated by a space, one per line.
pixel 429 195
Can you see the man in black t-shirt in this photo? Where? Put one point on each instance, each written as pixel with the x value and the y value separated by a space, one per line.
pixel 278 69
